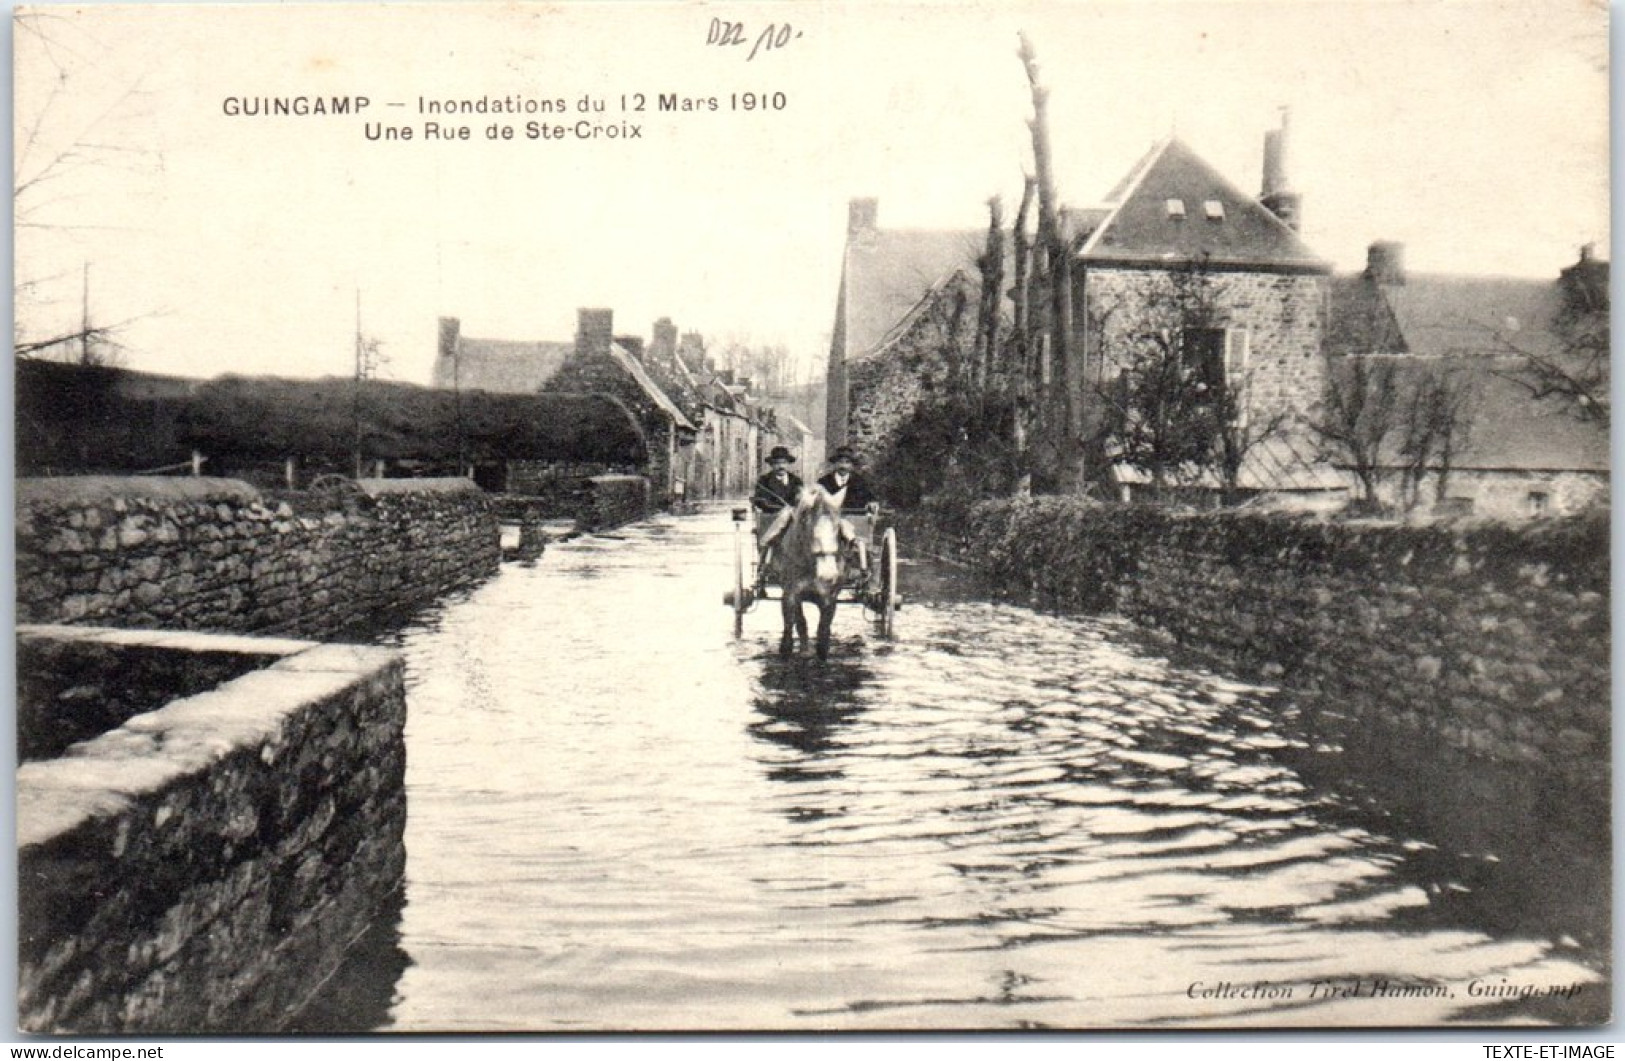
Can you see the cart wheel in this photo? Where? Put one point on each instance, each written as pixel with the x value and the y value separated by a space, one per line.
pixel 739 599
pixel 889 597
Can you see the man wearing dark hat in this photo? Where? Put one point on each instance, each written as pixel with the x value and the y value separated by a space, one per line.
pixel 843 483
pixel 780 487
pixel 776 492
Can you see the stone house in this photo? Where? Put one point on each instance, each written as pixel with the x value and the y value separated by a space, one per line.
pixel 703 430
pixel 905 320
pixel 1179 255
pixel 1519 455
pixel 602 364
pixel 501 366
pixel 1173 231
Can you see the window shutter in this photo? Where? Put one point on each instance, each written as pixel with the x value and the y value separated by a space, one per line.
pixel 1237 348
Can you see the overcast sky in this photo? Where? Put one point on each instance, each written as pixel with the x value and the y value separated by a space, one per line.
pixel 1475 132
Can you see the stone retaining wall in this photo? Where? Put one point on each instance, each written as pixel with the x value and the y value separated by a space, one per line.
pixel 1490 640
pixel 202 867
pixel 216 554
pixel 613 500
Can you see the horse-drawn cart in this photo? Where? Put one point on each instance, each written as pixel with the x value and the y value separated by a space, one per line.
pixel 869 570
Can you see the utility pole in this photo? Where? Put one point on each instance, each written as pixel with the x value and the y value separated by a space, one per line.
pixel 84 319
pixel 355 405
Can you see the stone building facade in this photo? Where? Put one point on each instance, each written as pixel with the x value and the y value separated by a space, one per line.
pixel 1179 250
pixel 907 307
pixel 1273 327
pixel 1516 454
pixel 923 357
pixel 601 364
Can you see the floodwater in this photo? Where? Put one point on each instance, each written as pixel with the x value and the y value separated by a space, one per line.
pixel 623 817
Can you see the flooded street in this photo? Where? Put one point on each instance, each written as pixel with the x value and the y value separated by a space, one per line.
pixel 623 817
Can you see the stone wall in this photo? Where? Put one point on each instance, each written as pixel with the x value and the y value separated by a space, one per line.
pixel 216 554
pixel 921 362
pixel 1283 315
pixel 614 500
pixel 202 867
pixel 1506 495
pixel 1488 639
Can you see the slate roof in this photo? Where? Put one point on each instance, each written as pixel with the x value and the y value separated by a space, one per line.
pixel 1477 328
pixel 501 366
pixel 1283 463
pixel 634 368
pixel 1140 228
pixel 888 271
pixel 678 383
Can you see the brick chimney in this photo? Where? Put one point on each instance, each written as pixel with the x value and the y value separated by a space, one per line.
pixel 450 331
pixel 862 215
pixel 1277 195
pixel 663 344
pixel 595 331
pixel 1385 263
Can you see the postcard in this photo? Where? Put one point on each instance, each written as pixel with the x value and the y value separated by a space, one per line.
pixel 812 517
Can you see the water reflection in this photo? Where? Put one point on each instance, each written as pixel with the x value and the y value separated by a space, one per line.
pixel 622 818
pixel 358 997
pixel 804 703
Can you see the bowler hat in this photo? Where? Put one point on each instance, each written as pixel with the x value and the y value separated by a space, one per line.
pixel 779 453
pixel 846 453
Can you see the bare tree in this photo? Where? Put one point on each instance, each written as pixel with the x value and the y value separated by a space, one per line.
pixel 1239 430
pixel 1359 416
pixel 1434 421
pixel 1176 408
pixel 1019 358
pixel 991 267
pixel 1056 263
pixel 1577 373
pixel 70 106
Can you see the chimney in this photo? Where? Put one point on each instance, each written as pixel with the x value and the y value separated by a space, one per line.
pixel 692 350
pixel 1277 195
pixel 862 215
pixel 1585 283
pixel 1385 263
pixel 595 330
pixel 450 330
pixel 663 345
pixel 632 344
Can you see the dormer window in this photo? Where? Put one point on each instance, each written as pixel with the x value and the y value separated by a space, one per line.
pixel 1176 209
pixel 1214 210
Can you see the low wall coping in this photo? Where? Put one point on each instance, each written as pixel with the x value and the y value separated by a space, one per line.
pixel 103 776
pixel 82 488
pixel 446 485
pixel 178 640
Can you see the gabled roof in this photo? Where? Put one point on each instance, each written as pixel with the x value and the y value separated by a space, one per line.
pixel 888 271
pixel 634 368
pixel 1141 228
pixel 1431 315
pixel 674 378
pixel 1463 315
pixel 501 366
pixel 1511 430
pixel 1479 329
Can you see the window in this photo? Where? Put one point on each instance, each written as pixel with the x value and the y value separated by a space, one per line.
pixel 1539 503
pixel 1214 210
pixel 1203 351
pixel 1219 358
pixel 1176 209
